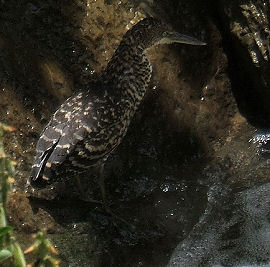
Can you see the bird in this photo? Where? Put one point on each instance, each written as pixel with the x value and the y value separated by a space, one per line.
pixel 91 123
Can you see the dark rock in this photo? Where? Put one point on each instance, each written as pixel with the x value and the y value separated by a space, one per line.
pixel 245 27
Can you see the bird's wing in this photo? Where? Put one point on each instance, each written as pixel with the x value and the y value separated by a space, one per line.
pixel 57 141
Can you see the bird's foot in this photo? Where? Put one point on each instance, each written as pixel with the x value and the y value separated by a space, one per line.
pixel 90 200
pixel 115 216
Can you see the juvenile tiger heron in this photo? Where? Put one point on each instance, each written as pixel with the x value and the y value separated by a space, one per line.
pixel 91 123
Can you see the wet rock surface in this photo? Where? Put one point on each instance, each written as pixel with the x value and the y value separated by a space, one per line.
pixel 185 175
pixel 234 229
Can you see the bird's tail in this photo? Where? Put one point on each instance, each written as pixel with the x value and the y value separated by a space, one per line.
pixel 41 169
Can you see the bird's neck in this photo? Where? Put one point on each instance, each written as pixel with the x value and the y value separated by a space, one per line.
pixel 128 73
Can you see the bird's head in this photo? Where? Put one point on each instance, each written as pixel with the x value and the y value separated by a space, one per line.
pixel 152 31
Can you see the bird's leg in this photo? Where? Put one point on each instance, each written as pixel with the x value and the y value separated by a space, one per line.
pixel 101 179
pixel 78 181
pixel 83 195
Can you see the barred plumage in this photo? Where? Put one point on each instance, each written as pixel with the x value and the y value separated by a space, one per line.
pixel 91 123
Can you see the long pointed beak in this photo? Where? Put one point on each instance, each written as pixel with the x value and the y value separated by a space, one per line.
pixel 175 37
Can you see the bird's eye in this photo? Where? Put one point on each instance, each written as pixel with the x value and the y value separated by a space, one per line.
pixel 165 34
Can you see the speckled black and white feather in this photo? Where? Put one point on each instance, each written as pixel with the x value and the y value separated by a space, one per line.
pixel 91 123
